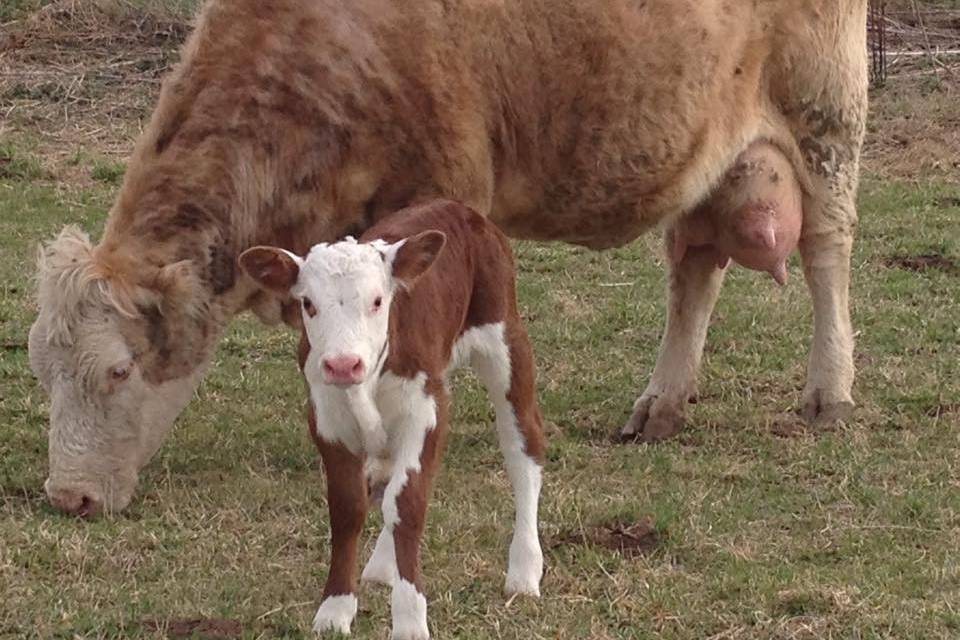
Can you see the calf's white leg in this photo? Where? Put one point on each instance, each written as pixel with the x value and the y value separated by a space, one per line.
pixel 503 360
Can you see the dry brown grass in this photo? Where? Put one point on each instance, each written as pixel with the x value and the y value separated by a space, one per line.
pixel 82 74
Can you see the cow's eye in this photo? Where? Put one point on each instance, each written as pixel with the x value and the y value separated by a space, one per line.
pixel 309 308
pixel 120 372
pixel 377 303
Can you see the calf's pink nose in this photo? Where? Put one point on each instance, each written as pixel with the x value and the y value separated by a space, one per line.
pixel 76 503
pixel 346 368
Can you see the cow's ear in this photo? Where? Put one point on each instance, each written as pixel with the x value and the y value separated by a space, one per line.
pixel 272 268
pixel 412 256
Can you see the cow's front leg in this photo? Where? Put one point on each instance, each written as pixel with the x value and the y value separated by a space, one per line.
pixel 694 284
pixel 347 502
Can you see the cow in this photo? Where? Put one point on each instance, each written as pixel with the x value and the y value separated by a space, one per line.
pixel 385 321
pixel 291 122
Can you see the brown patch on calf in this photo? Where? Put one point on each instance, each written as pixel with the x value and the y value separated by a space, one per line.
pixel 523 393
pixel 347 505
pixel 629 540
pixel 923 262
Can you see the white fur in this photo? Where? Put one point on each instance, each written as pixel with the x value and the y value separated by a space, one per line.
pixel 490 356
pixel 342 281
pixel 364 410
pixel 409 611
pixel 336 613
pixel 382 565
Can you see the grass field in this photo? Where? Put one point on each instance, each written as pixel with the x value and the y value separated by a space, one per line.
pixel 754 526
pixel 762 529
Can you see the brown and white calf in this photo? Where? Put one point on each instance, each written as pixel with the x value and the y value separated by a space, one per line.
pixel 385 321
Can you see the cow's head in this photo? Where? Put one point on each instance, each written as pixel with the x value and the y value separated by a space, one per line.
pixel 345 290
pixel 119 350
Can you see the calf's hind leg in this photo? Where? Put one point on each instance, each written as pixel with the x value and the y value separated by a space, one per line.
pixel 503 361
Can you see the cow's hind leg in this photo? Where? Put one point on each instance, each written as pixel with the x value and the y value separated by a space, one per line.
pixel 825 246
pixel 694 285
pixel 503 360
pixel 347 502
pixel 827 103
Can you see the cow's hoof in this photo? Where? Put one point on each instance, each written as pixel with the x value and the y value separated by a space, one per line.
pixel 817 413
pixel 653 419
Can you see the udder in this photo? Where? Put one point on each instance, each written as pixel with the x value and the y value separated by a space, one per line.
pixel 754 217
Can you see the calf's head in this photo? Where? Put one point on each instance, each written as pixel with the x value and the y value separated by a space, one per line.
pixel 119 350
pixel 345 290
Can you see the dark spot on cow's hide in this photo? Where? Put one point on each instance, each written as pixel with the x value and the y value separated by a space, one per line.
pixel 222 270
pixel 627 539
pixel 157 334
pixel 190 217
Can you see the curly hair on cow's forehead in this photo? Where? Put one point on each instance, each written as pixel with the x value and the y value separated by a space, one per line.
pixel 70 281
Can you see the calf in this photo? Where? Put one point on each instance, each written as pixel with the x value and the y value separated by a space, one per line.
pixel 385 321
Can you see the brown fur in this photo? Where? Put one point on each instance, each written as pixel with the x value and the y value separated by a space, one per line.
pixel 290 122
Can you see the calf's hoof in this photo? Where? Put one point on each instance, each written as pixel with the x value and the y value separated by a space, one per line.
pixel 653 419
pixel 821 411
pixel 335 614
pixel 525 569
pixel 409 610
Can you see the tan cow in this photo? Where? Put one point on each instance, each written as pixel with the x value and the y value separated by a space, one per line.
pixel 289 122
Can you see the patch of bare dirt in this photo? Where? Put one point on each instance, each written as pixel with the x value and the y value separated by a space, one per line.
pixel 84 74
pixel 943 408
pixel 205 628
pixel 629 540
pixel 922 263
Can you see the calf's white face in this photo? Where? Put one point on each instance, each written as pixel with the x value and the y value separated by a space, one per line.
pixel 345 290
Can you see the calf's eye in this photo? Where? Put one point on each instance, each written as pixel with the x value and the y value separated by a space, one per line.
pixel 377 302
pixel 309 308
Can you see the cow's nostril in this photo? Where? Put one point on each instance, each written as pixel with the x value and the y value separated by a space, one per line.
pixel 75 503
pixel 358 368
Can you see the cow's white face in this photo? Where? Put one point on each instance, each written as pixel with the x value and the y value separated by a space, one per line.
pixel 114 376
pixel 345 290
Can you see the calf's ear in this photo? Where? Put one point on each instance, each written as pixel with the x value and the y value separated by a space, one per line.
pixel 414 255
pixel 273 269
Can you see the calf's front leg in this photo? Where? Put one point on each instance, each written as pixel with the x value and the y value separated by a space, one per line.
pixel 347 502
pixel 416 456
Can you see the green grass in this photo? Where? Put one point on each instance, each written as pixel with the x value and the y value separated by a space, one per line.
pixel 853 533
